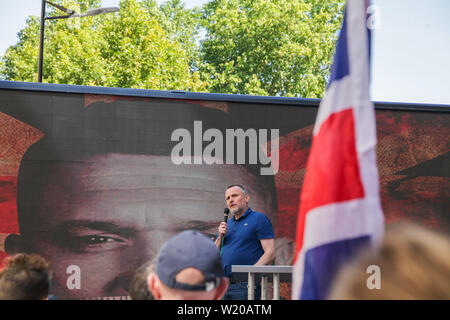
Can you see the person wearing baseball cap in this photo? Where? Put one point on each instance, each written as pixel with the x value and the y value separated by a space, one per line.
pixel 188 267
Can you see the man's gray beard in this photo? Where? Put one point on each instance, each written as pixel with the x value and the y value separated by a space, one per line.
pixel 236 211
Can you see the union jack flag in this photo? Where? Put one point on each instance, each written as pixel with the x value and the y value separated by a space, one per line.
pixel 340 207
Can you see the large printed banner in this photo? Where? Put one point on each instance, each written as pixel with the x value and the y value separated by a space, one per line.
pixel 96 183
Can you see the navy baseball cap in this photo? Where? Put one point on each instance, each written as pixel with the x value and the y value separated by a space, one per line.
pixel 189 249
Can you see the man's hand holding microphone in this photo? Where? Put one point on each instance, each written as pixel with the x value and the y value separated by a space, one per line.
pixel 223 228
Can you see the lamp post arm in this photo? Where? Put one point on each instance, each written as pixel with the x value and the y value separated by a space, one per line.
pixel 60 17
pixel 64 9
pixel 70 14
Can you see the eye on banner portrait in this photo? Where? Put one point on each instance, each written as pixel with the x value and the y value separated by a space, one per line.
pixel 97 183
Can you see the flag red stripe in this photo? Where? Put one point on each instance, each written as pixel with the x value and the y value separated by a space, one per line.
pixel 332 172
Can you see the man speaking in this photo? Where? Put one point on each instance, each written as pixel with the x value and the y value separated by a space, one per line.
pixel 248 239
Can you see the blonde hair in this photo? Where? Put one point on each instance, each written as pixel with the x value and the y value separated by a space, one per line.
pixel 414 263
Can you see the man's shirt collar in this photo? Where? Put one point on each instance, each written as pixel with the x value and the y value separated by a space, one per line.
pixel 246 213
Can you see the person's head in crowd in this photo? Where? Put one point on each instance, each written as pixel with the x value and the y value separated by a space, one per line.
pixel 138 287
pixel 188 267
pixel 25 277
pixel 412 263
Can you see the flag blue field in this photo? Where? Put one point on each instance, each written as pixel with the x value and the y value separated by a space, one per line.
pixel 340 208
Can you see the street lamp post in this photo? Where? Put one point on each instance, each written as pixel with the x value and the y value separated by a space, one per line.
pixel 70 14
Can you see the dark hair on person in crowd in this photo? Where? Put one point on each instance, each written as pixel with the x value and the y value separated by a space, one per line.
pixel 412 263
pixel 138 285
pixel 25 277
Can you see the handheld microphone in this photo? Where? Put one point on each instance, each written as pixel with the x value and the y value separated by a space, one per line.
pixel 226 212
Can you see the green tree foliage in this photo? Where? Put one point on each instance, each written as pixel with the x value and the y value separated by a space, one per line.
pixel 20 62
pixel 269 47
pixel 180 23
pixel 125 49
pixel 258 47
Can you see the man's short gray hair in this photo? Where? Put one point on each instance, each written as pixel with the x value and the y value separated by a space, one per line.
pixel 239 186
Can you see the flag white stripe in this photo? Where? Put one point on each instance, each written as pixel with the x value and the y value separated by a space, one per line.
pixel 337 98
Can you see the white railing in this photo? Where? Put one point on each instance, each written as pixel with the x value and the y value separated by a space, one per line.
pixel 275 273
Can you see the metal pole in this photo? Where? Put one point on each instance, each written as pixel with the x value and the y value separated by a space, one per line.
pixel 71 14
pixel 276 286
pixel 264 287
pixel 41 44
pixel 251 286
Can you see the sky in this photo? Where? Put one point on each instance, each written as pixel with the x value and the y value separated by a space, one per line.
pixel 410 46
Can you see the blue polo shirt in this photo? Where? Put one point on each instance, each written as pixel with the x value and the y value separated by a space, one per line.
pixel 242 245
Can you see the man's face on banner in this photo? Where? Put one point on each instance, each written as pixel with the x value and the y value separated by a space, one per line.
pixel 110 214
